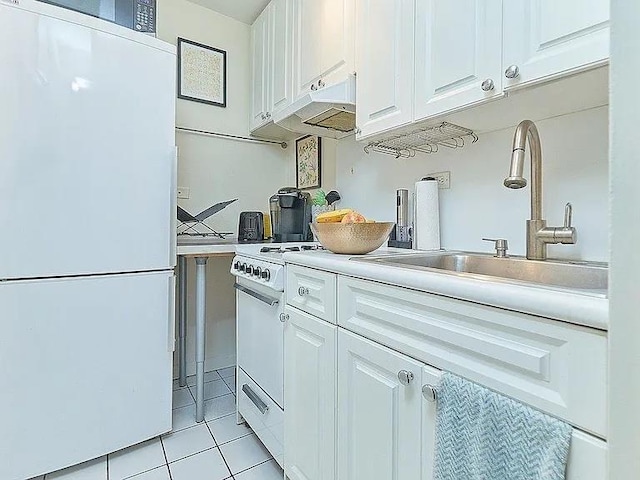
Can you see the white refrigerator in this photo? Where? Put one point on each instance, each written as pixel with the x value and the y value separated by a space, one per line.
pixel 87 229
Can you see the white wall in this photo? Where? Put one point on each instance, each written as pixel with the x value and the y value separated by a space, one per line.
pixel 575 166
pixel 217 169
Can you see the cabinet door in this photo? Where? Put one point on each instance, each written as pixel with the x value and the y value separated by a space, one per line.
pixel 458 47
pixel 261 70
pixel 379 432
pixel 324 37
pixel 548 38
pixel 281 33
pixel 310 397
pixel 430 378
pixel 384 46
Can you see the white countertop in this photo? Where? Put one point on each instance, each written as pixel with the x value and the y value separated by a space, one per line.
pixel 572 306
pixel 195 246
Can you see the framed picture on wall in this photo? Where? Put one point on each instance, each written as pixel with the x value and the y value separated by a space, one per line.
pixel 308 159
pixel 202 73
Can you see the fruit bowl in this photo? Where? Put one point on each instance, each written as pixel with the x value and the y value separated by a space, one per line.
pixel 352 238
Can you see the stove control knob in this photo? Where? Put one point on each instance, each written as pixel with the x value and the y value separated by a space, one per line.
pixel 236 266
pixel 243 267
pixel 266 274
pixel 257 272
pixel 250 270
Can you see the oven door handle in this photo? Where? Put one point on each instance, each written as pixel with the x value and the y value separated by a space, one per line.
pixel 260 405
pixel 257 295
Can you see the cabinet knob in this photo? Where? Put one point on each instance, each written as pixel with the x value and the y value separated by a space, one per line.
pixel 264 117
pixel 313 86
pixel 284 317
pixel 405 377
pixel 302 291
pixel 358 131
pixel 512 71
pixel 321 83
pixel 268 115
pixel 488 85
pixel 430 393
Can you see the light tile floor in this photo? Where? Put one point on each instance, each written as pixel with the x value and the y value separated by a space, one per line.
pixel 216 449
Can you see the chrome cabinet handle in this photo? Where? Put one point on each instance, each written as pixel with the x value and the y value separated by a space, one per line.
pixel 488 85
pixel 405 377
pixel 512 71
pixel 260 405
pixel 314 87
pixel 430 393
pixel 320 83
pixel 358 131
pixel 284 317
pixel 302 291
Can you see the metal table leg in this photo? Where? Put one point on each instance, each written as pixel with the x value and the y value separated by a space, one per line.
pixel 201 291
pixel 182 320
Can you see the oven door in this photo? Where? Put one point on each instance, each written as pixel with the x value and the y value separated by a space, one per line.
pixel 260 336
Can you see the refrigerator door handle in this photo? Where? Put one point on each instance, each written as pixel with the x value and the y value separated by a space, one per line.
pixel 173 225
pixel 171 314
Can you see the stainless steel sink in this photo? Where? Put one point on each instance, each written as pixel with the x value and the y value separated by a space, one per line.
pixel 569 275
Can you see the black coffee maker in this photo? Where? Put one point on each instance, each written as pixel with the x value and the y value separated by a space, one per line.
pixel 290 215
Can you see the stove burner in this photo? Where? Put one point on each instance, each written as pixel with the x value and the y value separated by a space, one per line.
pixel 312 247
pixel 290 249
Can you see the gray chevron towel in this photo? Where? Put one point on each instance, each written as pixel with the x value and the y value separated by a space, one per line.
pixel 481 435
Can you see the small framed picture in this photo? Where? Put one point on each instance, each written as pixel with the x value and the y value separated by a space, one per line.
pixel 308 159
pixel 202 73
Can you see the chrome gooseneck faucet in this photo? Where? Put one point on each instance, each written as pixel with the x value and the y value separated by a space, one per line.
pixel 538 234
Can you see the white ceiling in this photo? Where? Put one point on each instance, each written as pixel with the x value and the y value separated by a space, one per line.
pixel 245 11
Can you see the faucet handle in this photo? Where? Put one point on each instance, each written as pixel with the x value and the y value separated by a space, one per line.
pixel 568 214
pixel 501 246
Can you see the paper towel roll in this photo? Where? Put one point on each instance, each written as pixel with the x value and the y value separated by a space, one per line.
pixel 426 225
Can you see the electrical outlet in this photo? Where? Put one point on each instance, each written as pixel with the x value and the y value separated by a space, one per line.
pixel 184 192
pixel 443 178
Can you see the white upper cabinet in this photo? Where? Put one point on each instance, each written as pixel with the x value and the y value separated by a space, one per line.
pixel 544 39
pixel 384 62
pixel 281 31
pixel 260 70
pixel 458 54
pixel 272 48
pixel 324 43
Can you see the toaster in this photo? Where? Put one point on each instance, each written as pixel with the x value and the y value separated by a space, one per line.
pixel 251 227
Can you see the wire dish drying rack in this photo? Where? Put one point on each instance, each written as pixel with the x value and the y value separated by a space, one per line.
pixel 424 140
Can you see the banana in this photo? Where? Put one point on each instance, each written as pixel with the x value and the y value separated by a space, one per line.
pixel 335 216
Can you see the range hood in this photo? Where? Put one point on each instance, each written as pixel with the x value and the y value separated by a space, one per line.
pixel 328 112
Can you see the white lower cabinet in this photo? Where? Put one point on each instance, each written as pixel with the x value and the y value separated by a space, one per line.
pixel 310 397
pixel 379 411
pixel 430 379
pixel 356 409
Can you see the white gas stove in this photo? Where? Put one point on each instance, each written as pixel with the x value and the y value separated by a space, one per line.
pixel 259 271
pixel 263 264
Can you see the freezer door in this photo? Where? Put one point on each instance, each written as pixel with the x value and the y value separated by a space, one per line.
pixel 85 368
pixel 86 150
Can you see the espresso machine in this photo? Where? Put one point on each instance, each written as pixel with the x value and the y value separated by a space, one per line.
pixel 290 215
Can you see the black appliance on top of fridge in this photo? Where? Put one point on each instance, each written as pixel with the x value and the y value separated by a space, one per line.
pixel 290 215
